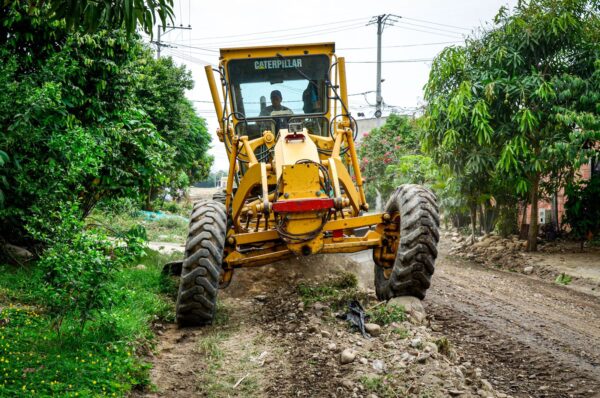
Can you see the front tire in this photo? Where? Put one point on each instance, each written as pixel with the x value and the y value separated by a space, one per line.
pixel 220 196
pixel 415 209
pixel 201 271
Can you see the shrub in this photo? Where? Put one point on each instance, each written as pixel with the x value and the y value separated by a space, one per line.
pixel 582 209
pixel 79 265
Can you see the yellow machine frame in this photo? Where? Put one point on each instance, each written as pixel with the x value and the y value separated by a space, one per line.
pixel 252 236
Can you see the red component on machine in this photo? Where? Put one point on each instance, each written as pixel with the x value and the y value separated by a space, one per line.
pixel 295 137
pixel 302 205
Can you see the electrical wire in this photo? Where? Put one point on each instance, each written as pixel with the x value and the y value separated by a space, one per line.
pixel 426 31
pixel 187 57
pixel 175 43
pixel 280 30
pixel 434 23
pixel 429 28
pixel 393 61
pixel 401 45
pixel 283 37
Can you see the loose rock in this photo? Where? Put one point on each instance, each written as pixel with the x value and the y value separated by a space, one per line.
pixel 373 329
pixel 412 306
pixel 379 366
pixel 347 356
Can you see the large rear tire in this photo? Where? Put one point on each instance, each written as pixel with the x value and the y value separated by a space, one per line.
pixel 416 211
pixel 201 270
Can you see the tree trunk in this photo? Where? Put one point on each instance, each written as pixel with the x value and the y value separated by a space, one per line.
pixel 533 219
pixel 523 231
pixel 524 218
pixel 473 222
pixel 481 219
pixel 148 205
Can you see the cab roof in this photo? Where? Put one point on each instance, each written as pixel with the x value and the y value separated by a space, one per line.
pixel 272 51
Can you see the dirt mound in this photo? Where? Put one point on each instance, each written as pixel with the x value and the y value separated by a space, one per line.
pixel 282 274
pixel 557 259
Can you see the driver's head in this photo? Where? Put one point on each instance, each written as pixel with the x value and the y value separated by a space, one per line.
pixel 276 98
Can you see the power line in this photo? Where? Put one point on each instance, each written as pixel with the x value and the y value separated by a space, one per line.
pixel 279 30
pixel 435 23
pixel 286 37
pixel 187 57
pixel 427 31
pixel 392 61
pixel 194 47
pixel 431 28
pixel 401 45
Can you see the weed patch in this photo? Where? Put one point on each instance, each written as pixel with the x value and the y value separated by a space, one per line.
pixel 378 385
pixel 384 315
pixel 338 290
pixel 443 346
pixel 563 279
pixel 98 360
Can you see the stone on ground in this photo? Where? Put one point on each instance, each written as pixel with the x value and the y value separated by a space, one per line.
pixel 412 306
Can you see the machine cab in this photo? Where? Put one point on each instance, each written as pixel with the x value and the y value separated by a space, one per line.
pixel 272 87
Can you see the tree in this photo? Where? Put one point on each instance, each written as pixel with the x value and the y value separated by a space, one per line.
pixel 76 125
pixel 520 99
pixel 383 147
pixel 93 14
pixel 161 92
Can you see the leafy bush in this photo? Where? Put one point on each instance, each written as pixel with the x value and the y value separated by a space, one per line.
pixel 382 147
pixel 89 116
pixel 582 209
pixel 79 266
pixel 3 183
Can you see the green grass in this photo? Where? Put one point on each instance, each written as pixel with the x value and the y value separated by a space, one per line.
pixel 400 333
pixel 101 360
pixel 171 229
pixel 379 385
pixel 443 345
pixel 337 290
pixel 384 315
pixel 563 279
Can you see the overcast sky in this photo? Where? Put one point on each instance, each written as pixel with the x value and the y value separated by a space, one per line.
pixel 424 29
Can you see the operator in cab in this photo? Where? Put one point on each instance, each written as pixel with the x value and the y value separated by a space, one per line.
pixel 276 109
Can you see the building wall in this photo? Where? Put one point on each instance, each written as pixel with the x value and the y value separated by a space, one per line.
pixel 585 173
pixel 366 125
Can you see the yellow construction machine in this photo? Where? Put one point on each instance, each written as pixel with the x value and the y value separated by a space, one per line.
pixel 294 186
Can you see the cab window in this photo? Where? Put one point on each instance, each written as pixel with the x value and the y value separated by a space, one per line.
pixel 279 86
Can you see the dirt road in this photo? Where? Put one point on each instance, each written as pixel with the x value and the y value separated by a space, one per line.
pixel 530 337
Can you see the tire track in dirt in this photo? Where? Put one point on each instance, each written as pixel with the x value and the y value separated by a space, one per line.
pixel 531 338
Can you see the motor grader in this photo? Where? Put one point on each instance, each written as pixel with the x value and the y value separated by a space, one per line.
pixel 294 186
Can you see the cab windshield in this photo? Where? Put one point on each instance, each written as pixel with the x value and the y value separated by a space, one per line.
pixel 279 86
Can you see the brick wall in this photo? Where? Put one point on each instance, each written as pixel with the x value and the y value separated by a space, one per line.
pixel 585 173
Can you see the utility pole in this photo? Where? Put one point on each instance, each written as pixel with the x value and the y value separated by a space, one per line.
pixel 381 21
pixel 168 28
